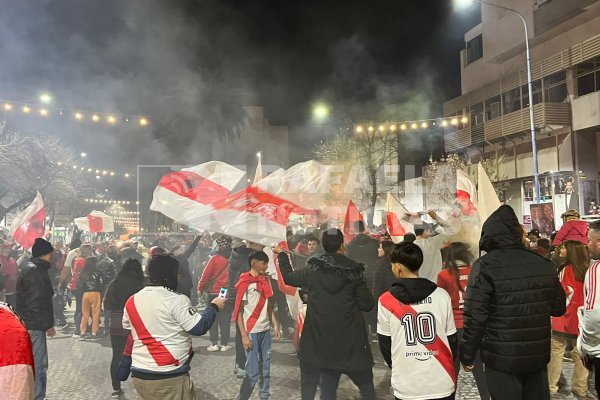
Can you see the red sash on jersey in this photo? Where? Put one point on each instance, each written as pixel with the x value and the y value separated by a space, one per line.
pixel 444 355
pixel 161 355
pixel 262 286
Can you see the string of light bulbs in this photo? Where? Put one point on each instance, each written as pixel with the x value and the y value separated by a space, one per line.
pixel 121 212
pixel 104 201
pixel 411 125
pixel 11 106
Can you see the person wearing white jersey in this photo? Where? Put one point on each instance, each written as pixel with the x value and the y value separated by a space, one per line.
pixel 432 245
pixel 417 334
pixel 588 341
pixel 162 323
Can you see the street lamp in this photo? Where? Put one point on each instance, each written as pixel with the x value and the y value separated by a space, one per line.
pixel 45 98
pixel 536 175
pixel 320 112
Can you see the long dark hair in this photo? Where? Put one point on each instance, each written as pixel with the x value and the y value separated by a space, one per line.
pixel 90 266
pixel 128 282
pixel 457 251
pixel 578 257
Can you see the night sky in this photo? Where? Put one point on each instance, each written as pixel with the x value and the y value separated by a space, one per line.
pixel 181 62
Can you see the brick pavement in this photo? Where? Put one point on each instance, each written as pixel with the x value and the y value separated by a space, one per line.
pixel 79 370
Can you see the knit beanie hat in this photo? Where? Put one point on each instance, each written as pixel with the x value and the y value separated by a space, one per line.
pixel 41 247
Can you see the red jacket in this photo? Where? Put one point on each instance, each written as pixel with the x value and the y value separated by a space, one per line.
pixel 447 281
pixel 78 265
pixel 568 323
pixel 11 274
pixel 215 268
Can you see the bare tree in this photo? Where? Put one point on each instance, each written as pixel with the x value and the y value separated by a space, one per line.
pixel 31 163
pixel 371 149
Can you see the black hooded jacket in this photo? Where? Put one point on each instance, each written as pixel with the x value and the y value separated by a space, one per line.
pixel 363 250
pixel 409 291
pixel 334 335
pixel 511 294
pixel 34 295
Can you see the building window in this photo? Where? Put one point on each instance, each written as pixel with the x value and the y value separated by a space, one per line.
pixel 477 114
pixel 588 74
pixel 555 88
pixel 474 49
pixel 492 108
pixel 537 93
pixel 511 101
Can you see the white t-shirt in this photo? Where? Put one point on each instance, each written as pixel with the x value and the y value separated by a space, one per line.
pixel 422 363
pixel 159 320
pixel 251 301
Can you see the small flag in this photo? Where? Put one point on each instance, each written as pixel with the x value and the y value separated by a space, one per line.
pixel 352 217
pixel 95 222
pixel 396 222
pixel 466 193
pixel 488 198
pixel 29 224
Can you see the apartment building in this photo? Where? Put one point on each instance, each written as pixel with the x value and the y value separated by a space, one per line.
pixel 565 50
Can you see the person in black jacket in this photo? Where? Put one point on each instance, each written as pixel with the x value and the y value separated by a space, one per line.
pixel 511 295
pixel 383 277
pixel 128 282
pixel 334 340
pixel 184 278
pixel 90 283
pixel 34 306
pixel 238 264
pixel 364 250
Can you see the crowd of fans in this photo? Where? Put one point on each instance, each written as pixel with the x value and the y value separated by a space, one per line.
pixel 430 307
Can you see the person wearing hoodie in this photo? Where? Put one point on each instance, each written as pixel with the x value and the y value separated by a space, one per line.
pixel 511 294
pixel 565 328
pixel 238 264
pixel 417 334
pixel 334 339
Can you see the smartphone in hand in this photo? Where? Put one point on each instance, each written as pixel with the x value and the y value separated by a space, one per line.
pixel 223 293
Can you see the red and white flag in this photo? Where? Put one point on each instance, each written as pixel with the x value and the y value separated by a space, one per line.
pixel 466 193
pixel 251 214
pixel 95 222
pixel 189 192
pixel 396 222
pixel 352 217
pixel 29 224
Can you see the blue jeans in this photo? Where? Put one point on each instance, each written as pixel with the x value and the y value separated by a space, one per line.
pixel 260 355
pixel 40 359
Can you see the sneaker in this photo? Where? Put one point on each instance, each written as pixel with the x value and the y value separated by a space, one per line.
pixel 94 337
pixel 76 335
pixel 293 353
pixel 225 348
pixel 61 325
pixel 83 337
pixel 240 373
pixel 116 393
pixel 212 348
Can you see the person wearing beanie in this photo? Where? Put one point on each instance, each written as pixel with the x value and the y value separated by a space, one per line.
pixel 572 245
pixel 160 315
pixel 34 306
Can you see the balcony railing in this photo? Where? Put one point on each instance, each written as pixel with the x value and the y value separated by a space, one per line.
pixel 557 114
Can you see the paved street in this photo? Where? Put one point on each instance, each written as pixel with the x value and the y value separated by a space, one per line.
pixel 79 370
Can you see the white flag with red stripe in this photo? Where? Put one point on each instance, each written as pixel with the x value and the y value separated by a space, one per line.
pixel 190 191
pixel 29 224
pixel 466 193
pixel 95 222
pixel 396 222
